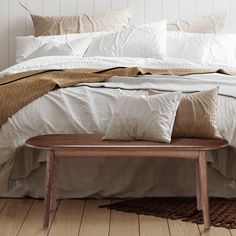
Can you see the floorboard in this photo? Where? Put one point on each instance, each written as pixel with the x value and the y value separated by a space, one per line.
pixel 33 224
pixel 125 224
pixel 68 218
pixel 180 228
pixel 13 215
pixel 215 231
pixel 24 217
pixel 232 232
pixel 95 220
pixel 153 226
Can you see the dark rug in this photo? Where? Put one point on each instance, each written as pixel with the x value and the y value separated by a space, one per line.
pixel 222 211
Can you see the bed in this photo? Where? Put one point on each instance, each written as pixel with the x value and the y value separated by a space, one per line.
pixel 87 108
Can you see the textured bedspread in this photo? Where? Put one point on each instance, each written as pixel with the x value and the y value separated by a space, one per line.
pixel 87 108
pixel 30 85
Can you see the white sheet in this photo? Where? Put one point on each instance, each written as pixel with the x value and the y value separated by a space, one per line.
pixel 67 62
pixel 84 109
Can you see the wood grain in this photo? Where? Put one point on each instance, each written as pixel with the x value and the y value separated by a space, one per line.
pixel 215 231
pixel 13 216
pixel 204 190
pixel 67 221
pixel 180 228
pixel 91 145
pixel 233 232
pixel 95 220
pixel 49 186
pixel 124 224
pixel 68 218
pixel 57 141
pixel 33 221
pixel 153 226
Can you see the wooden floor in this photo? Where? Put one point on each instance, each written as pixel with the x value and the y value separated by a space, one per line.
pixel 84 218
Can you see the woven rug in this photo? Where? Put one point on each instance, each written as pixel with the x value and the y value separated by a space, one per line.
pixel 222 211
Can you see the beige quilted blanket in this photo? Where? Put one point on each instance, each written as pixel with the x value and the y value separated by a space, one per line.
pixel 18 90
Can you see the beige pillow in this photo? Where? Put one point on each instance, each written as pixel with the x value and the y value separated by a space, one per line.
pixel 196 115
pixel 106 21
pixel 205 24
pixel 143 117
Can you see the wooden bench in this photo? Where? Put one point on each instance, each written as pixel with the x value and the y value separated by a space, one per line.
pixel 91 145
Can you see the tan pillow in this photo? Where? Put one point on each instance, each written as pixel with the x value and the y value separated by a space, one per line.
pixel 196 115
pixel 205 24
pixel 106 21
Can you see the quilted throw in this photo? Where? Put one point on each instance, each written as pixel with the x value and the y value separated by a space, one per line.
pixel 18 90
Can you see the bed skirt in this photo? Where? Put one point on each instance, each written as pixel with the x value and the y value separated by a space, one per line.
pixel 123 178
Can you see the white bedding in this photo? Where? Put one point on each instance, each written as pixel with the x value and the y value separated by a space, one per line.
pixel 88 108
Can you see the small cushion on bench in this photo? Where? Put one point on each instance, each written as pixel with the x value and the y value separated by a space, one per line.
pixel 196 115
pixel 144 117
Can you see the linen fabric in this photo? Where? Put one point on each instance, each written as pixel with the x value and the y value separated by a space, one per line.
pixel 106 21
pixel 144 41
pixel 196 115
pixel 144 118
pixel 205 49
pixel 56 48
pixel 89 111
pixel 26 46
pixel 205 24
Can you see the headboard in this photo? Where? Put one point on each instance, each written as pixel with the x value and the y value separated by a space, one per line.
pixel 15 21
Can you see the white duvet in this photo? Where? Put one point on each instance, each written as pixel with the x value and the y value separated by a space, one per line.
pixel 87 108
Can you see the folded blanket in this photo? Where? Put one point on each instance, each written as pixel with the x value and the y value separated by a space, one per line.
pixel 18 90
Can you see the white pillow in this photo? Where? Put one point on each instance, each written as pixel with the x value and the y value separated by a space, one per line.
pixel 144 41
pixel 27 45
pixel 144 117
pixel 204 24
pixel 56 48
pixel 208 49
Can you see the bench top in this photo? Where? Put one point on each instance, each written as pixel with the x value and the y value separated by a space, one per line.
pixel 72 141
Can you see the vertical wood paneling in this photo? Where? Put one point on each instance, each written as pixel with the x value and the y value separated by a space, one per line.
pixel 171 9
pixel 153 10
pixel 204 7
pixel 52 7
pixel 36 8
pixel 17 27
pixel 223 7
pixel 15 21
pixel 233 16
pixel 119 4
pixel 68 9
pixel 139 11
pixel 102 5
pixel 4 34
pixel 85 8
pixel 187 9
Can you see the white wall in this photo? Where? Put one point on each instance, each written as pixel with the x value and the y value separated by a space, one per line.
pixel 15 21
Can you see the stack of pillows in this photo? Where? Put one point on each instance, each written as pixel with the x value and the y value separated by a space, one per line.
pixel 159 117
pixel 110 34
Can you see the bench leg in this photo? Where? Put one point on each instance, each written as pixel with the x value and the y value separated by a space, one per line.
pixel 48 187
pixel 53 203
pixel 203 186
pixel 198 188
